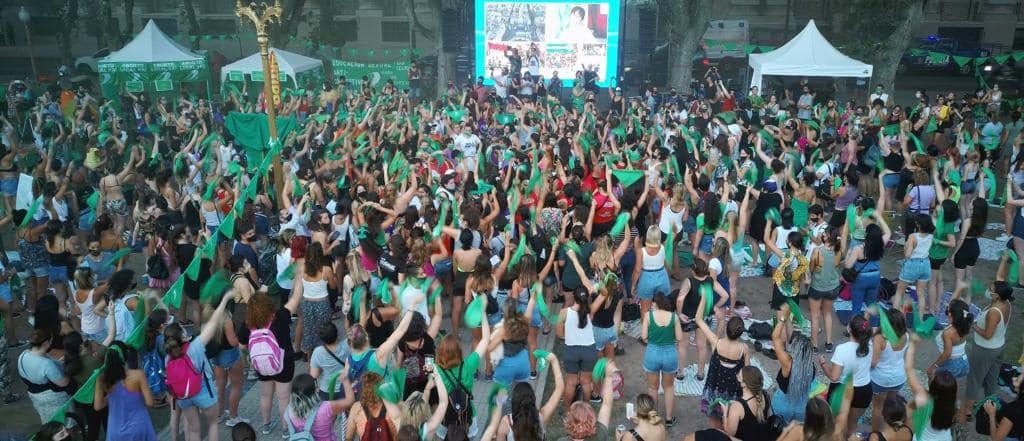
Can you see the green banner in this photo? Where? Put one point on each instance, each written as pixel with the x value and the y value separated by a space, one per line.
pixel 378 73
pixel 134 86
pixel 236 76
pixel 256 76
pixel 163 85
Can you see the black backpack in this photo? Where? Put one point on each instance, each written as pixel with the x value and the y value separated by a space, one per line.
pixel 459 415
pixel 156 268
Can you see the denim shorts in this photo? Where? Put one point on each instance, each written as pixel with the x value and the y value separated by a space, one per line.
pixel 705 243
pixel 891 180
pixel 97 337
pixel 203 400
pixel 9 187
pixel 652 282
pixel 689 226
pixel 227 358
pixel 494 319
pixel 605 336
pixel 957 367
pixel 579 359
pixel 5 293
pixel 513 369
pixel 788 408
pixel 916 270
pixel 877 389
pixel 661 358
pixel 58 274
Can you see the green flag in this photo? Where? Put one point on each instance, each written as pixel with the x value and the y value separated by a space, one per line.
pixel 173 296
pixel 192 272
pixel 211 291
pixel 32 209
pixel 961 61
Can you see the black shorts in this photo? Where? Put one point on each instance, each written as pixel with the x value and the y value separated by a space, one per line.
pixel 861 395
pixel 831 294
pixel 286 376
pixel 779 299
pixel 937 263
pixel 968 254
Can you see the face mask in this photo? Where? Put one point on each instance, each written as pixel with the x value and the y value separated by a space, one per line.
pixel 450 186
pixel 95 252
pixel 989 294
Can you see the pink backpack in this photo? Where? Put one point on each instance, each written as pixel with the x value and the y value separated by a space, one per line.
pixel 183 379
pixel 265 353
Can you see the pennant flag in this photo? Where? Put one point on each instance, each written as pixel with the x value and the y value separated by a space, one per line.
pixel 474 313
pixel 749 48
pixel 211 291
pixel 764 49
pixel 923 415
pixel 1012 276
pixel 669 244
pixel 1001 59
pixel 932 125
pixel 32 209
pixel 961 61
pixel 173 296
pixel 542 358
pixel 620 224
pixel 917 143
pixel 227 226
pixel 86 392
pixel 1017 56
pixel 887 330
pixel 519 252
pixel 835 401
pixel 598 373
pixel 357 301
pixel 117 256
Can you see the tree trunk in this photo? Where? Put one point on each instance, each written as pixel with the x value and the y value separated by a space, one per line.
pixel 326 25
pixel 93 23
pixel 289 24
pixel 189 9
pixel 107 21
pixel 888 59
pixel 68 19
pixel 129 18
pixel 684 22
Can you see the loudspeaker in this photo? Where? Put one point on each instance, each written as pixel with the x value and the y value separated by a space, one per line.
pixel 451 38
pixel 648 27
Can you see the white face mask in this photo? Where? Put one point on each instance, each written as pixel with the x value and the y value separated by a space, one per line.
pixel 989 294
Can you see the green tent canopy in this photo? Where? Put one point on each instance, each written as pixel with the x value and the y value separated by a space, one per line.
pixel 152 62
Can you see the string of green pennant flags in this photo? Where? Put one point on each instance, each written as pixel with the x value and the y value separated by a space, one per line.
pixel 209 291
pixel 942 57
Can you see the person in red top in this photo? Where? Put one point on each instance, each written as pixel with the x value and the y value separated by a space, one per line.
pixel 606 208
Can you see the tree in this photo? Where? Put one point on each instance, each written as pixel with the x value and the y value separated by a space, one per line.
pixel 188 9
pixel 891 23
pixel 284 31
pixel 445 62
pixel 129 19
pixel 68 15
pixel 683 23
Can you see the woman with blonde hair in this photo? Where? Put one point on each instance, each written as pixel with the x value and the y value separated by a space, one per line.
pixel 747 417
pixel 673 210
pixel 87 296
pixel 356 276
pixel 649 424
pixel 415 410
pixel 650 276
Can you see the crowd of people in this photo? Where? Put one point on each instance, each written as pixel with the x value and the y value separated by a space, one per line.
pixel 413 249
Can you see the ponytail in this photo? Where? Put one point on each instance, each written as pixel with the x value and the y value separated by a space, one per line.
pixel 583 301
pixel 860 332
pixel 174 344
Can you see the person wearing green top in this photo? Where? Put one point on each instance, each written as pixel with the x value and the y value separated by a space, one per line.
pixel 458 372
pixel 944 241
pixel 663 335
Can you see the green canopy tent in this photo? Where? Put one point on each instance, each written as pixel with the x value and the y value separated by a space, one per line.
pixel 154 63
pixel 295 70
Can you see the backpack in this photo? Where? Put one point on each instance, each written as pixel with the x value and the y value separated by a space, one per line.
pixel 459 416
pixel 153 367
pixel 265 353
pixel 415 374
pixel 156 268
pixel 356 369
pixel 305 434
pixel 183 379
pixel 377 428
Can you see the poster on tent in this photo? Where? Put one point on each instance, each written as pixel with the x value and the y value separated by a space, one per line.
pixel 154 77
pixel 377 73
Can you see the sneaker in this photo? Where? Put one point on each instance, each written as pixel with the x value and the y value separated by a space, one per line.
pixel 224 417
pixel 268 427
pixel 670 423
pixel 596 400
pixel 533 375
pixel 232 422
pixel 829 347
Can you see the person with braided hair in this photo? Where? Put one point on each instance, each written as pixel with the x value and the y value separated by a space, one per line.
pixel 747 417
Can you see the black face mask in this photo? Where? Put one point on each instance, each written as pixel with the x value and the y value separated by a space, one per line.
pixel 95 252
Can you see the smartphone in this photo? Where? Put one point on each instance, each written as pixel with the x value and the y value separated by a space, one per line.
pixel 428 363
pixel 630 411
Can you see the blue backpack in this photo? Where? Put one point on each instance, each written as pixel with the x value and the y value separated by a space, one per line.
pixel 153 367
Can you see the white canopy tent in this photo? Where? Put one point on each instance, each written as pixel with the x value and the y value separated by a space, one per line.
pixel 151 62
pixel 808 54
pixel 288 63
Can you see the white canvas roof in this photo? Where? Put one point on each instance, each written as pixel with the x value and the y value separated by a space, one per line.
pixel 152 46
pixel 808 54
pixel 289 63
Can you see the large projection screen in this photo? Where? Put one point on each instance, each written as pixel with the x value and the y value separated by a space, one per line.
pixel 551 35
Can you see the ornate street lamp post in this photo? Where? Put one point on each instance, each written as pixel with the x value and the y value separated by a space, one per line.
pixel 261 15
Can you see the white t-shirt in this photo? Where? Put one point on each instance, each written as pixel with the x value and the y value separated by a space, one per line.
pixel 467 144
pixel 882 96
pixel 860 367
pixel 716 265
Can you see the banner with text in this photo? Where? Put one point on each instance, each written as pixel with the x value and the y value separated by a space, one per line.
pixel 378 73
